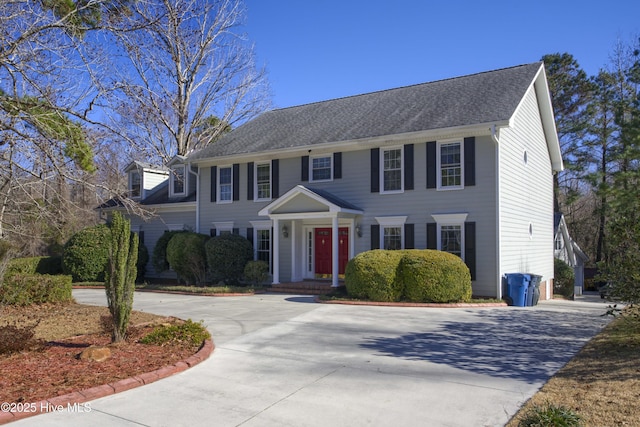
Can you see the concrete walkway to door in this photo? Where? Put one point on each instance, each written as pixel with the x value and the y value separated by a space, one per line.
pixel 282 360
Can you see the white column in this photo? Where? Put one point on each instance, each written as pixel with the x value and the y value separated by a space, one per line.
pixel 334 252
pixel 294 261
pixel 276 252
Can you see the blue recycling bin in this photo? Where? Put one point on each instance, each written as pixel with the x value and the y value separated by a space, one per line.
pixel 517 289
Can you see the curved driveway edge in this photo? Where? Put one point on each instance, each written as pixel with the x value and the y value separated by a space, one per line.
pixel 77 398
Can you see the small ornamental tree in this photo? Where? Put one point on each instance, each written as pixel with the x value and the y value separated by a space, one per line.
pixel 121 274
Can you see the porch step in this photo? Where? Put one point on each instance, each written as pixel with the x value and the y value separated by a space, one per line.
pixel 305 288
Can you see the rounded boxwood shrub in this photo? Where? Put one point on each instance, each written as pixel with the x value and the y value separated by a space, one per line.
pixel 227 256
pixel 434 276
pixel 372 275
pixel 159 257
pixel 86 253
pixel 186 256
pixel 256 272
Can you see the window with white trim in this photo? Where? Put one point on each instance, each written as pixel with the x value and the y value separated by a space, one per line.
pixel 392 176
pixel 224 227
pixel 451 233
pixel 135 184
pixel 225 184
pixel 263 181
pixel 262 241
pixel 449 167
pixel 178 180
pixel 321 168
pixel 391 232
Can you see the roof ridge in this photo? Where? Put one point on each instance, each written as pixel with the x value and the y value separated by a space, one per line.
pixel 404 87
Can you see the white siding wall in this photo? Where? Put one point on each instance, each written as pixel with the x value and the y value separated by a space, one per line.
pixel 526 195
pixel 151 180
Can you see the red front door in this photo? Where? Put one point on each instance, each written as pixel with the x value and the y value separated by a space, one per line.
pixel 322 249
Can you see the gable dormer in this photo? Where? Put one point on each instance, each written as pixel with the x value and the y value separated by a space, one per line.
pixel 143 178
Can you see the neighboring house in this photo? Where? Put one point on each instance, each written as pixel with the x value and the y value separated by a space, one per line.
pixel 463 165
pixel 568 251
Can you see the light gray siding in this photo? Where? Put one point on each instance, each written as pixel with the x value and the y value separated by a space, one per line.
pixel 526 194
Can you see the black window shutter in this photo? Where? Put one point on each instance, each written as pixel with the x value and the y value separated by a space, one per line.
pixel 431 164
pixel 305 168
pixel 469 161
pixel 375 236
pixel 275 178
pixel 470 247
pixel 408 167
pixel 141 237
pixel 236 231
pixel 250 167
pixel 212 232
pixel 432 235
pixel 409 233
pixel 337 165
pixel 214 182
pixel 236 181
pixel 250 235
pixel 375 170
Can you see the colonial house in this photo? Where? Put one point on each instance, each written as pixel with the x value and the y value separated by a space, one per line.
pixel 463 165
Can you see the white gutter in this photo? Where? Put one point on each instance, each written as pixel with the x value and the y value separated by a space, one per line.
pixel 197 195
pixel 494 137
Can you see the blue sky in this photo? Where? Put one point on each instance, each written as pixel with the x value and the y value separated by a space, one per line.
pixel 322 49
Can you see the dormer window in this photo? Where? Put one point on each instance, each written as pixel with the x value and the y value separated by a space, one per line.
pixel 135 184
pixel 178 180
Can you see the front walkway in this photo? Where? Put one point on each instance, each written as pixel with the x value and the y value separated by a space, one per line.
pixel 282 360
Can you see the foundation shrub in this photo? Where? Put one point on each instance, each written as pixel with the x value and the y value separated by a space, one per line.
pixel 372 275
pixel 86 253
pixel 27 289
pixel 256 272
pixel 35 265
pixel 563 278
pixel 227 256
pixel 434 276
pixel 159 257
pixel 186 256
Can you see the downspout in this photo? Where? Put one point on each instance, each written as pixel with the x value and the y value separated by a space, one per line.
pixel 197 175
pixel 494 137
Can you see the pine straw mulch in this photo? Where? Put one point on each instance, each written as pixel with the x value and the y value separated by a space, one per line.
pixel 51 366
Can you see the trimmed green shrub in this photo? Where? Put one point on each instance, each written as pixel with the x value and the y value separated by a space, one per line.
pixel 226 257
pixel 86 254
pixel 189 333
pixel 27 289
pixel 143 259
pixel 434 276
pixel 159 257
pixel 186 255
pixel 35 265
pixel 372 275
pixel 256 272
pixel 563 278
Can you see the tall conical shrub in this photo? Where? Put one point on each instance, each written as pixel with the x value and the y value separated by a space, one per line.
pixel 120 275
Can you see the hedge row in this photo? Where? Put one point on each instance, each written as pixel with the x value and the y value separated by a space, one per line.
pixel 27 289
pixel 408 275
pixel 35 265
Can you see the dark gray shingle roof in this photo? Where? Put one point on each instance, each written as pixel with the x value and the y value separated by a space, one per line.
pixel 479 98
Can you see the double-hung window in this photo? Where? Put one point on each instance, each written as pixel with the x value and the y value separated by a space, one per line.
pixel 392 172
pixel 177 181
pixel 263 181
pixel 225 184
pixel 392 231
pixel 450 162
pixel 451 233
pixel 321 168
pixel 135 184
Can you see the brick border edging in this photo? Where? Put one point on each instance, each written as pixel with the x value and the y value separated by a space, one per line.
pixel 414 304
pixel 82 396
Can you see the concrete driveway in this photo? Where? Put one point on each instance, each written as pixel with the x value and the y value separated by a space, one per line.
pixel 282 360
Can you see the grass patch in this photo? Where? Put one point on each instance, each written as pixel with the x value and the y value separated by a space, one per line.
pixel 601 384
pixel 198 289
